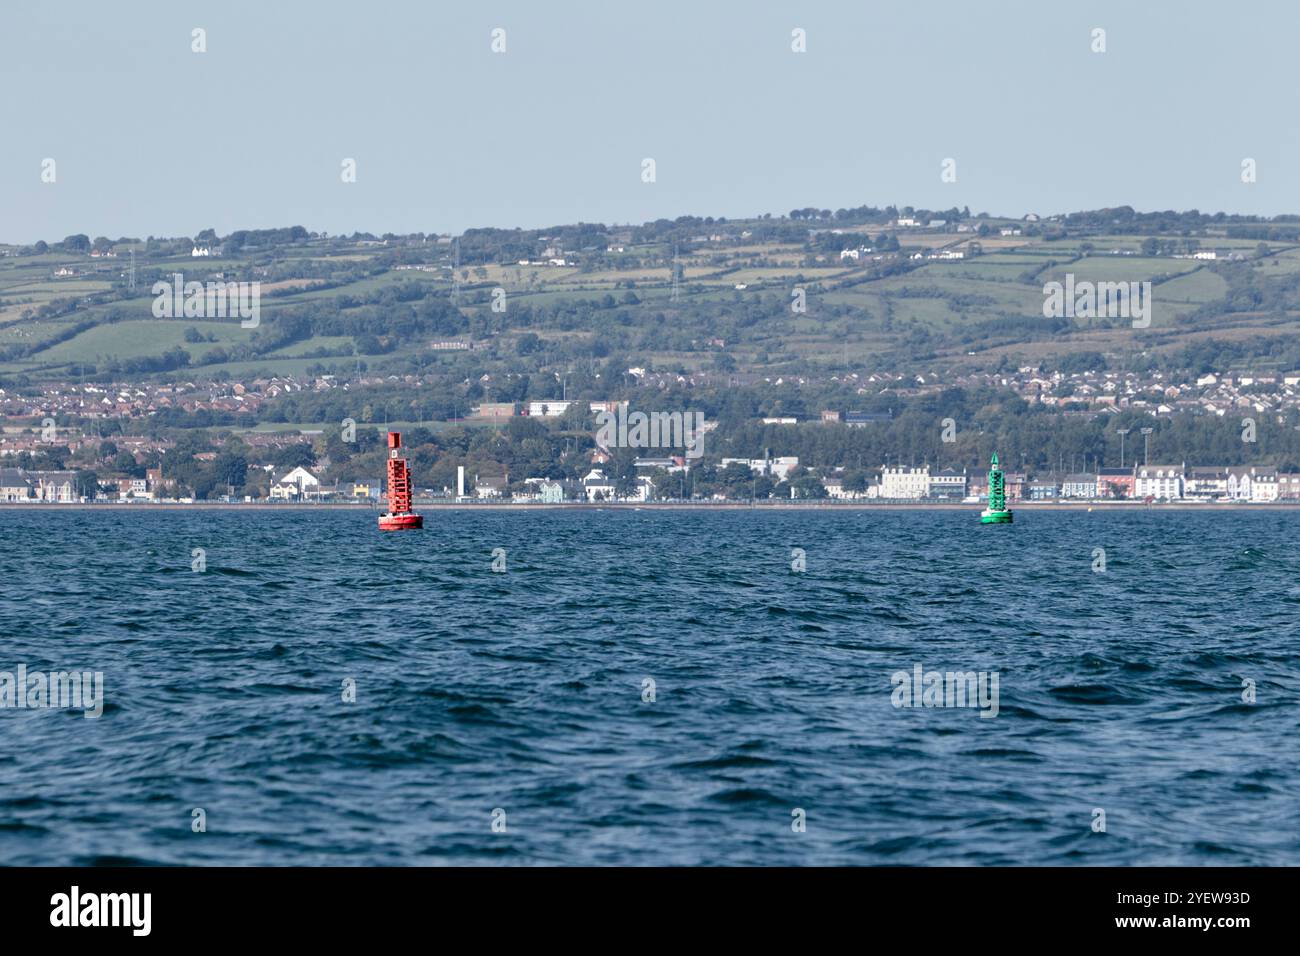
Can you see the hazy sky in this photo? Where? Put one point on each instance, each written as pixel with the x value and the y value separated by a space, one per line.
pixel 150 138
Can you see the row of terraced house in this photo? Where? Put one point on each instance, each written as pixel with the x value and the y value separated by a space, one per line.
pixel 1162 482
pixel 17 485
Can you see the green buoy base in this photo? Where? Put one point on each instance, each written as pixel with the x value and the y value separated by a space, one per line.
pixel 995 517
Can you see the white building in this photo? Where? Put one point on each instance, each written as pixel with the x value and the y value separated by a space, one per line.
pixel 1264 485
pixel 136 488
pixel 494 487
pixel 596 485
pixel 902 481
pixel 57 486
pixel 948 483
pixel 1206 483
pixel 673 465
pixel 1158 481
pixel 548 409
pixel 1079 485
pixel 775 468
pixel 1252 484
pixel 15 485
pixel 835 489
pixel 296 485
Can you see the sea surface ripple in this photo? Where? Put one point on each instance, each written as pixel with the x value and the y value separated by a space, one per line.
pixel 522 691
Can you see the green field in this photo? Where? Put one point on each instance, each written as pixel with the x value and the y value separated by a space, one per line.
pixel 1195 288
pixel 145 337
pixel 855 310
pixel 1120 269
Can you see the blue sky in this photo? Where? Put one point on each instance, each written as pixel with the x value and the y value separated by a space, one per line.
pixel 150 138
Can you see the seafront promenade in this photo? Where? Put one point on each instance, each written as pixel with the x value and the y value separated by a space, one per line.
pixel 769 505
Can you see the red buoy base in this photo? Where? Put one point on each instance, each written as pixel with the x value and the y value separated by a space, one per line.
pixel 402 522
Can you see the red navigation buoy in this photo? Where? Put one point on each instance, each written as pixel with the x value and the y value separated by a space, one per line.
pixel 399 515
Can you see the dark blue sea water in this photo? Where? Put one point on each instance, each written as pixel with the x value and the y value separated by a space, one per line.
pixel 522 691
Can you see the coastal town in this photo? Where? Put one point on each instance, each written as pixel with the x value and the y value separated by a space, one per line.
pixel 1084 392
pixel 851 356
pixel 293 466
pixel 111 448
pixel 920 484
pixel 890 484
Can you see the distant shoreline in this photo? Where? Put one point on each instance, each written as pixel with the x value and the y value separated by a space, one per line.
pixel 822 505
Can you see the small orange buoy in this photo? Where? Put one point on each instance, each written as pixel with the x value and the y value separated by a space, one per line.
pixel 399 516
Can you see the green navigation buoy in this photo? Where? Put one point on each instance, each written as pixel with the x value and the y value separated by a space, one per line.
pixel 997 512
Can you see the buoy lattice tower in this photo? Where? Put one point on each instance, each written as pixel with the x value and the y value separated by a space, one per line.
pixel 997 512
pixel 399 515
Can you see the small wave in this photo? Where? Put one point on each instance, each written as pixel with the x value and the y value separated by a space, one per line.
pixel 1092 694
